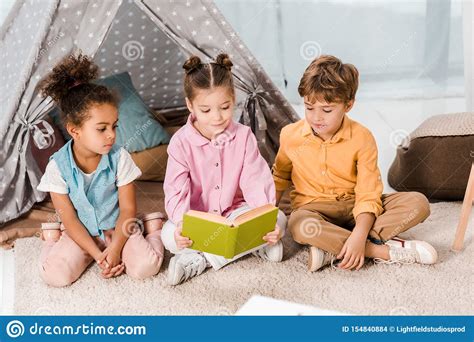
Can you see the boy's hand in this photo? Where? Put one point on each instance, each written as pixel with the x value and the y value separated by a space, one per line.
pixel 181 241
pixel 273 237
pixel 353 252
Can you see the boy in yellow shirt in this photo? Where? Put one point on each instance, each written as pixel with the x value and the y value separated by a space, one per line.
pixel 337 201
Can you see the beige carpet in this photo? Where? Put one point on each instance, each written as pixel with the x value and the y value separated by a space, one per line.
pixel 442 289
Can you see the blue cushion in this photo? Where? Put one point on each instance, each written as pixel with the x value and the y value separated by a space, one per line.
pixel 137 129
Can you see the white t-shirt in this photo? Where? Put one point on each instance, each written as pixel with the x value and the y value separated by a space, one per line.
pixel 52 180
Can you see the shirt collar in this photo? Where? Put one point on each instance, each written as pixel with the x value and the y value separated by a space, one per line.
pixel 103 164
pixel 344 132
pixel 197 139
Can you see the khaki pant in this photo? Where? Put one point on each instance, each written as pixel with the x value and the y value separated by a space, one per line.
pixel 327 224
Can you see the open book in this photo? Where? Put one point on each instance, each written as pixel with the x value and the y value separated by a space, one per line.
pixel 215 234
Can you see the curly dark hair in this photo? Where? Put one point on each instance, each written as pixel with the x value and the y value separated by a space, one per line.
pixel 70 86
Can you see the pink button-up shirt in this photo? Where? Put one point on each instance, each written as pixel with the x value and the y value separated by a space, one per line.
pixel 215 176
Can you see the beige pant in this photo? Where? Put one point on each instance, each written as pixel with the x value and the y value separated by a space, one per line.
pixel 327 224
pixel 63 262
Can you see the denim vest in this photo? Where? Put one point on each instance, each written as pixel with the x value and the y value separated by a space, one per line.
pixel 97 208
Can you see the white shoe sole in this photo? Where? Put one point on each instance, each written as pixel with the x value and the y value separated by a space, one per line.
pixel 171 277
pixel 275 253
pixel 428 254
pixel 316 258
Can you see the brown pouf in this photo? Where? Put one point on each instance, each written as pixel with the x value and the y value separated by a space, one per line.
pixel 436 159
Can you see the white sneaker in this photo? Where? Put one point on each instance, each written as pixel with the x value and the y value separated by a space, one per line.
pixel 319 258
pixel 270 253
pixel 409 252
pixel 185 266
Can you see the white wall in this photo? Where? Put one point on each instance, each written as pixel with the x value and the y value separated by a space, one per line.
pixel 468 23
pixel 403 49
pixel 5 6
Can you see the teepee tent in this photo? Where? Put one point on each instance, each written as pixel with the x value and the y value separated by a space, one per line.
pixel 150 39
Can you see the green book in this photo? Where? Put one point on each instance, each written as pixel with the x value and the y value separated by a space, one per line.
pixel 218 235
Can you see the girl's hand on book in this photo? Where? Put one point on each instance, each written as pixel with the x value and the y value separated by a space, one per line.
pixel 181 241
pixel 273 237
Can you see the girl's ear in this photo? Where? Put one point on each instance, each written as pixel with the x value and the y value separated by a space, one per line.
pixel 72 130
pixel 189 105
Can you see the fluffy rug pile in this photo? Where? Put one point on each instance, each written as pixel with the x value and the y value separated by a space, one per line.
pixel 442 289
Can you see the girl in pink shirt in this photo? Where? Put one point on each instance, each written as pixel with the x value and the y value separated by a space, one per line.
pixel 214 165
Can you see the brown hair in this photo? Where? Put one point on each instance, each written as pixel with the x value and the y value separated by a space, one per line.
pixel 207 76
pixel 70 86
pixel 328 79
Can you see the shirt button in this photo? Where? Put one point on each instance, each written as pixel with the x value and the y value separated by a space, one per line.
pixel 215 210
pixel 217 164
pixel 217 187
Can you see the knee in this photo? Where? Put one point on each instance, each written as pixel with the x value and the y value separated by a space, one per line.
pixel 167 236
pixel 146 268
pixel 282 222
pixel 57 273
pixel 304 227
pixel 421 204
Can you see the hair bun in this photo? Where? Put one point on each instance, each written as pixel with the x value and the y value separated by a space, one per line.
pixel 191 64
pixel 223 60
pixel 70 72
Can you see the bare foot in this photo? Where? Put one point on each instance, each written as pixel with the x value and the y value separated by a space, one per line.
pixel 7 245
pixel 4 241
pixel 9 235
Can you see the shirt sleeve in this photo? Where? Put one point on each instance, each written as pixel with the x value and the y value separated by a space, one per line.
pixel 177 184
pixel 282 167
pixel 256 180
pixel 127 170
pixel 369 186
pixel 52 180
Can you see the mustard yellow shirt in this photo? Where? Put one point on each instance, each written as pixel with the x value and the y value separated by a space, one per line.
pixel 342 167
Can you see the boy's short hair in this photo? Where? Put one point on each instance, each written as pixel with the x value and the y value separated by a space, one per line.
pixel 328 79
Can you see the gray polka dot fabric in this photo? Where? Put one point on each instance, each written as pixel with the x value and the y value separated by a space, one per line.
pixel 135 44
pixel 150 39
